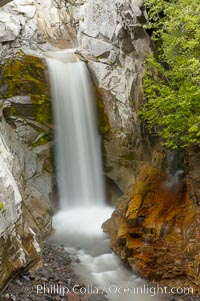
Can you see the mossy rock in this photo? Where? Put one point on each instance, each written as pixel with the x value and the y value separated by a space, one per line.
pixel 103 121
pixel 25 75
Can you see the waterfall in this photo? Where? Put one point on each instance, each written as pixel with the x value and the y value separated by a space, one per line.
pixel 78 223
pixel 78 156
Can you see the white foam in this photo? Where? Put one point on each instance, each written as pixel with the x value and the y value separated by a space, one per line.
pixel 80 230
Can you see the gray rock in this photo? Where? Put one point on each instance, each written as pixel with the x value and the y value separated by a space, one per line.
pixel 113 41
pixel 41 186
pixel 13 297
pixel 25 216
pixel 36 26
pixel 20 99
pixel 99 297
pixel 31 165
pixel 7 296
pixel 48 298
pixel 9 27
pixel 27 133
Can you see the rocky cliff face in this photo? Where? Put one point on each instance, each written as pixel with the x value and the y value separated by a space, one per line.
pixel 155 227
pixel 113 42
pixel 26 193
pixel 193 176
pixel 37 26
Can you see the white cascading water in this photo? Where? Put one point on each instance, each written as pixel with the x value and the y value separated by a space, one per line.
pixel 78 151
pixel 83 209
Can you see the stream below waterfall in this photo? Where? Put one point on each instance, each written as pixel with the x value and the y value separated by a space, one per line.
pixel 80 231
pixel 81 189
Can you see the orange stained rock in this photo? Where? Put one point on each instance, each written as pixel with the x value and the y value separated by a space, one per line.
pixel 134 243
pixel 123 230
pixel 160 228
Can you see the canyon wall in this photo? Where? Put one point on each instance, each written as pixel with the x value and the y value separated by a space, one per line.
pixel 28 193
pixel 113 42
pixel 155 226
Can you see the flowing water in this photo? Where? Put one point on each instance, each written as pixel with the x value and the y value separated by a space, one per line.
pixel 83 210
pixel 78 144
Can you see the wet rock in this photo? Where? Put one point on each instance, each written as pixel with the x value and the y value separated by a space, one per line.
pixel 193 178
pixel 48 298
pixel 174 299
pixel 13 297
pixel 72 297
pixel 94 297
pixel 156 230
pixel 57 298
pixel 44 279
pixel 26 278
pixel 18 282
pixel 48 288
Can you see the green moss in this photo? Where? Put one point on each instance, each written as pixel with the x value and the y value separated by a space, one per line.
pixel 43 113
pixel 40 113
pixel 24 75
pixel 12 110
pixel 132 101
pixel 103 122
pixel 42 140
pixel 129 157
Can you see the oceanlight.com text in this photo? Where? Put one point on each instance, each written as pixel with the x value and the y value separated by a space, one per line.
pixel 150 290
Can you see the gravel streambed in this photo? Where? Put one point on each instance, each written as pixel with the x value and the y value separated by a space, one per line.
pixel 56 280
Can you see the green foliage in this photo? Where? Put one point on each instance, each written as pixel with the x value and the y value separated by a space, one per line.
pixel 1 205
pixel 172 77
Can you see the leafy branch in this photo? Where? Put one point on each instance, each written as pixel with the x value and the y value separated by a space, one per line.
pixel 172 77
